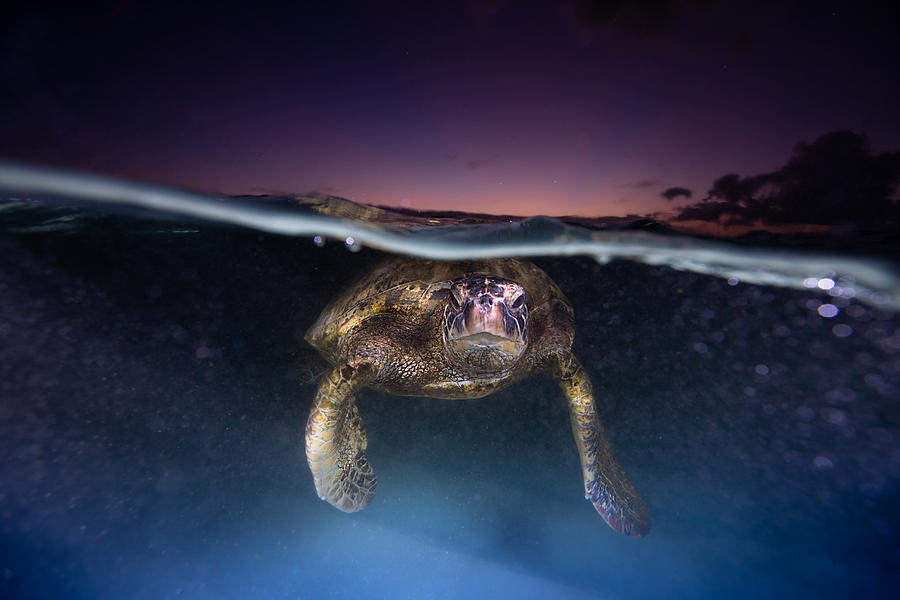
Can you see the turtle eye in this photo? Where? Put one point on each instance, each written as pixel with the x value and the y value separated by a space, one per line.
pixel 519 302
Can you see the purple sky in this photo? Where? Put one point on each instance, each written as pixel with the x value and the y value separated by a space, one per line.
pixel 527 107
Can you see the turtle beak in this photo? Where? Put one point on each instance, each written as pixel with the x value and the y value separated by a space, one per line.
pixel 487 315
pixel 487 322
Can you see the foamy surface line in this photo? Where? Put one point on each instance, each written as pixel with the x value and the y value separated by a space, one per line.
pixel 870 280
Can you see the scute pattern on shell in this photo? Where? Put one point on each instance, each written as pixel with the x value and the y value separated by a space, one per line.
pixel 411 286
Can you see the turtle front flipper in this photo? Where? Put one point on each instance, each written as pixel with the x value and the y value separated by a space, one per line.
pixel 605 483
pixel 336 442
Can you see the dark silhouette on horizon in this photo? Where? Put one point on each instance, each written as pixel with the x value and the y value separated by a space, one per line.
pixel 835 180
pixel 673 192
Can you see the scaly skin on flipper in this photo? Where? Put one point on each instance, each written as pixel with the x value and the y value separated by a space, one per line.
pixel 605 483
pixel 336 442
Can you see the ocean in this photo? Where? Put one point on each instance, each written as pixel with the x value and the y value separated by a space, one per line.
pixel 155 383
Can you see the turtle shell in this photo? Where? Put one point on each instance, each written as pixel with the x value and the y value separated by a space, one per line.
pixel 416 287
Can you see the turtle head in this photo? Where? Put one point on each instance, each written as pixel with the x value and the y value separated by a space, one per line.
pixel 485 323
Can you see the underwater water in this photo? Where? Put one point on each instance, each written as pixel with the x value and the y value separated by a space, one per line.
pixel 155 384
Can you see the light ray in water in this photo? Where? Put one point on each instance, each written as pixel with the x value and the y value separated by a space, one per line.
pixel 867 279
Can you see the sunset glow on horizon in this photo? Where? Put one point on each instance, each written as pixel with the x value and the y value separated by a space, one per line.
pixel 505 108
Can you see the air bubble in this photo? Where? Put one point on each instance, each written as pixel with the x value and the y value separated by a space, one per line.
pixel 352 244
pixel 827 310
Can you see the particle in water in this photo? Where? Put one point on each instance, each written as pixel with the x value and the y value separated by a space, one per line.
pixel 823 462
pixel 856 311
pixel 318 241
pixel 873 379
pixel 826 283
pixel 810 282
pixel 733 281
pixel 805 413
pixel 700 347
pixel 762 369
pixel 842 330
pixel 827 310
pixel 835 416
pixel 352 244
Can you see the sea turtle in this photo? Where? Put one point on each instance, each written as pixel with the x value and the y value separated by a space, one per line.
pixel 451 330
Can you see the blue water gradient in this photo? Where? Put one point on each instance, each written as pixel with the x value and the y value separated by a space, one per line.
pixel 155 386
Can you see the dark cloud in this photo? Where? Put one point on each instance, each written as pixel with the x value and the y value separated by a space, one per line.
pixel 834 180
pixel 480 163
pixel 675 192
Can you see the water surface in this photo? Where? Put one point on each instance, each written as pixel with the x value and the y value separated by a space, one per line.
pixel 155 384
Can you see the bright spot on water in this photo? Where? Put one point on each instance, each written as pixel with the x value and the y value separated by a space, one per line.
pixel 318 241
pixel 823 462
pixel 828 310
pixel 841 330
pixel 826 283
pixel 762 369
pixel 352 244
